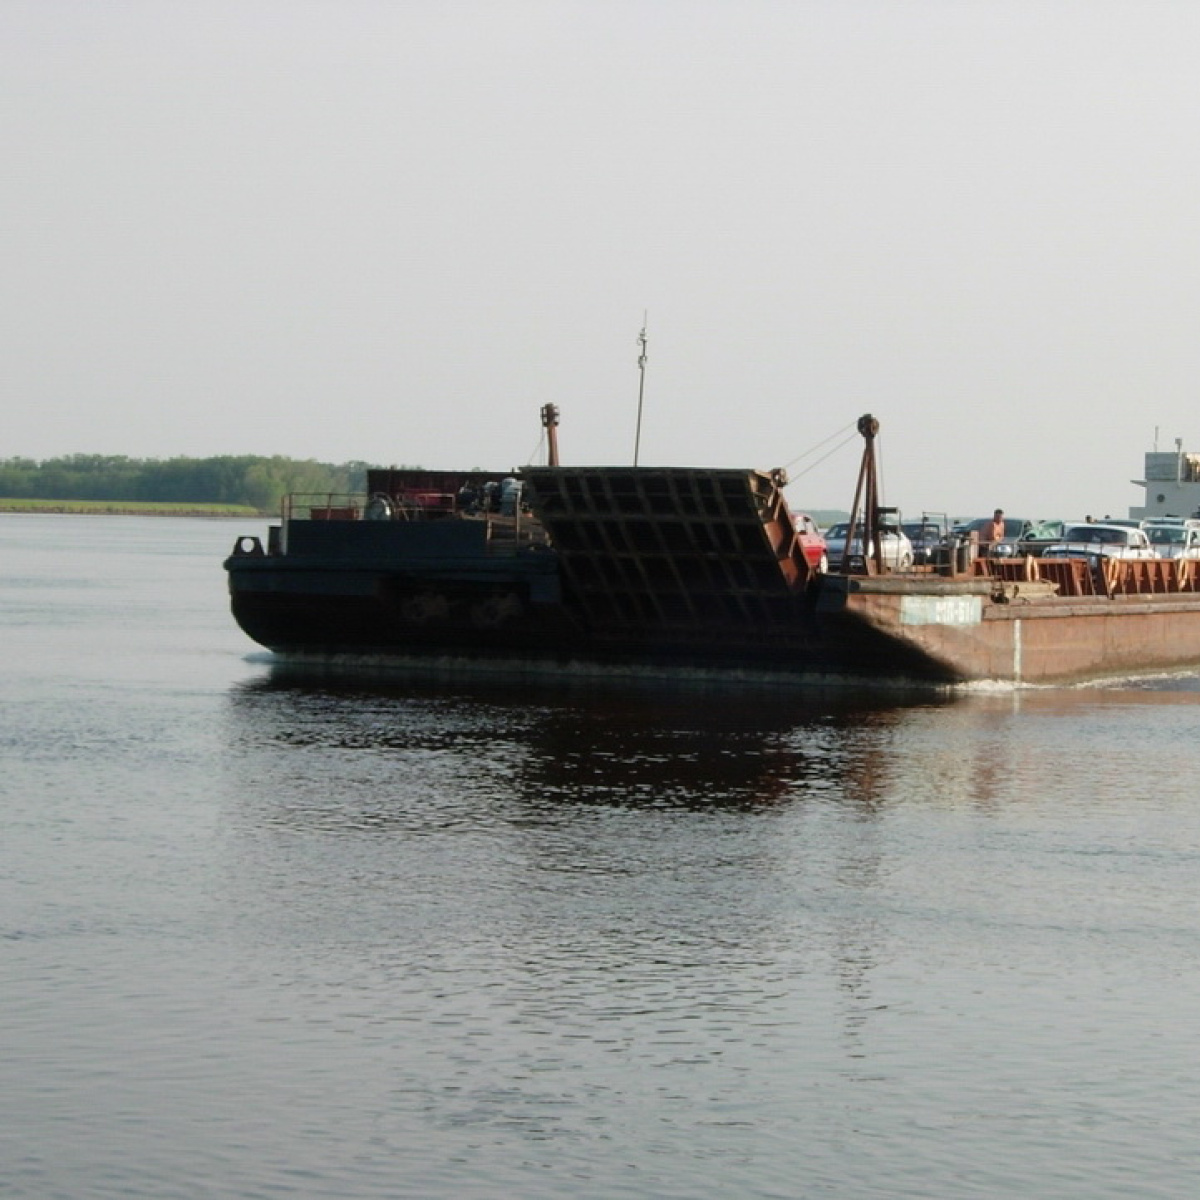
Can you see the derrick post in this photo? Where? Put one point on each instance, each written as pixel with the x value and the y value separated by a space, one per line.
pixel 866 493
pixel 550 425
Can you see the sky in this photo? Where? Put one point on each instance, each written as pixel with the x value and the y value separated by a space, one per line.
pixel 392 231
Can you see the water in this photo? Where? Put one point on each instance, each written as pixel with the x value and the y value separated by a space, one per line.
pixel 265 934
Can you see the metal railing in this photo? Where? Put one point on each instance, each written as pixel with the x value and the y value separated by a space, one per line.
pixel 356 506
pixel 504 531
pixel 323 506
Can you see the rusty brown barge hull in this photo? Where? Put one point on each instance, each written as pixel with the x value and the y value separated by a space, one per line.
pixel 990 630
pixel 667 569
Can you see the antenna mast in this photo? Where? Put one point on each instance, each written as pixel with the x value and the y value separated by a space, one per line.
pixel 637 441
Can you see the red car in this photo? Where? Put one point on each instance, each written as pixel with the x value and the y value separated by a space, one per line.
pixel 812 542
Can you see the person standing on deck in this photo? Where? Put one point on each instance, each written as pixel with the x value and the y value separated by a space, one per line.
pixel 994 532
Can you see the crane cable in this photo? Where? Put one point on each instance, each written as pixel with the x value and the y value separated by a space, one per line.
pixel 537 450
pixel 847 433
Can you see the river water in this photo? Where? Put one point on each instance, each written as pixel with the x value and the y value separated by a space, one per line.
pixel 274 935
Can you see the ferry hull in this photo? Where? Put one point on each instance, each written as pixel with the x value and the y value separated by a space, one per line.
pixel 861 634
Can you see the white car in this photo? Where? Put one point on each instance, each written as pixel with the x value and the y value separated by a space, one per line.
pixel 1096 540
pixel 897 551
pixel 1172 539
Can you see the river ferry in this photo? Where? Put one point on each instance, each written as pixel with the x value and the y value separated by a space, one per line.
pixel 649 569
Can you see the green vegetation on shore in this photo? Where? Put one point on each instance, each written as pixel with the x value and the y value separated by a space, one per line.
pixel 228 485
pixel 137 508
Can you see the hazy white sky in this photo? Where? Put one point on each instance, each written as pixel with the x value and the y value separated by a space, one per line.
pixel 393 230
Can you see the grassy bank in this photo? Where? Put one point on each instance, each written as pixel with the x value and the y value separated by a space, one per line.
pixel 127 508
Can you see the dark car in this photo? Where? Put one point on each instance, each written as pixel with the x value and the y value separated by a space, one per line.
pixel 925 536
pixel 1039 535
pixel 1015 529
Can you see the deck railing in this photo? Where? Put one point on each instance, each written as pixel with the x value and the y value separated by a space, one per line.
pixel 323 506
pixel 504 533
pixel 1107 577
pixel 355 506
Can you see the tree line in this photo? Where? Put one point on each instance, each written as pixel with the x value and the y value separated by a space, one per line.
pixel 232 479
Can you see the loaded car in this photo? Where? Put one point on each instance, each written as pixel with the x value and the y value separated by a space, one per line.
pixel 1015 529
pixel 812 541
pixel 1173 539
pixel 1096 541
pixel 1039 535
pixel 896 549
pixel 925 535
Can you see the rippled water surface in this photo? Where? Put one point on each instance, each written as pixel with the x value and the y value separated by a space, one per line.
pixel 268 934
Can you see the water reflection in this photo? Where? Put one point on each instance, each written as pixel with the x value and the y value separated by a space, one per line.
pixel 611 843
pixel 568 798
pixel 651 746
pixel 529 754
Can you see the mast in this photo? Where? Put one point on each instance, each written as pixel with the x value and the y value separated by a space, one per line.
pixel 550 425
pixel 637 441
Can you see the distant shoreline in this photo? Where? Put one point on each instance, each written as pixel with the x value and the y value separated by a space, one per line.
pixel 128 508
